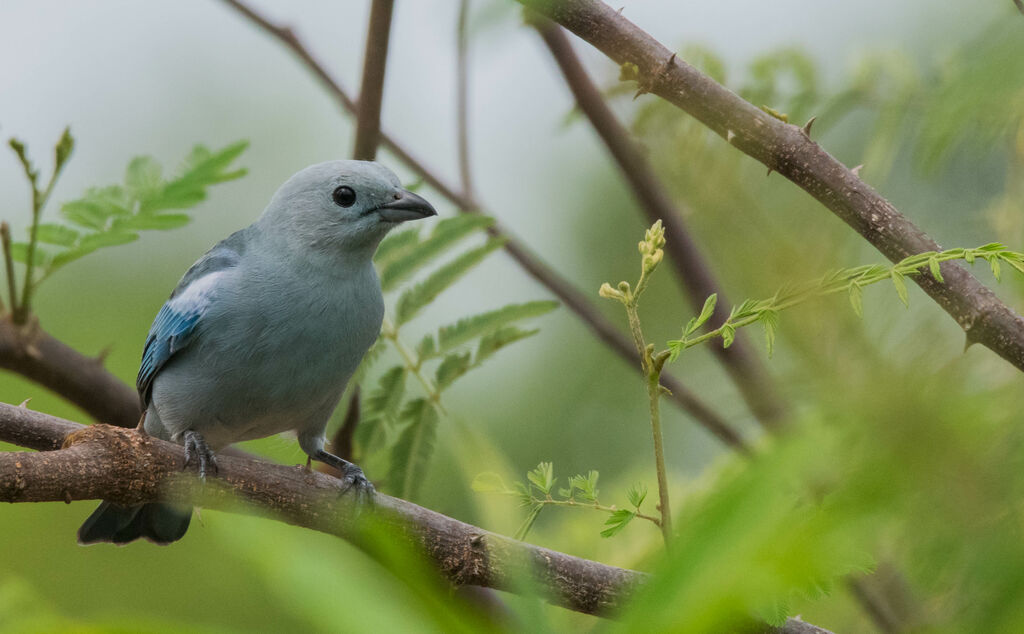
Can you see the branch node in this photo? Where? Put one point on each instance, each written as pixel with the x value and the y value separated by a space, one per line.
pixel 729 136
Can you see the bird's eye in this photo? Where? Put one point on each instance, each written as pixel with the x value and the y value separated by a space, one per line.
pixel 344 196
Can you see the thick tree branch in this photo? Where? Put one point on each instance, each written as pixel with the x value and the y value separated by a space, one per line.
pixel 694 273
pixel 371 92
pixel 569 295
pixel 34 354
pixel 128 467
pixel 788 149
pixel 77 462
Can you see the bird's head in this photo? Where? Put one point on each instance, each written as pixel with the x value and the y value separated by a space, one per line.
pixel 342 206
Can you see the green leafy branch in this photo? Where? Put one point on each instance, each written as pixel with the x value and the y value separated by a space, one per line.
pixel 61 153
pixel 651 254
pixel 407 429
pixel 851 281
pixel 111 215
pixel 541 490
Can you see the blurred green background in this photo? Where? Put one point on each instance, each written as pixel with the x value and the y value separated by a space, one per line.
pixel 919 435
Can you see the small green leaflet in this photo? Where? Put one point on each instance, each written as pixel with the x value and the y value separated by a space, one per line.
pixel 617 521
pixel 543 477
pixel 901 286
pixel 705 314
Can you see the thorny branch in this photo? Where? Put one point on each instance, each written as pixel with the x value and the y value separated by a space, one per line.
pixel 789 150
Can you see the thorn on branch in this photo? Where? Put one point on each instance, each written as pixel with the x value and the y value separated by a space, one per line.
pixel 24 404
pixel 807 127
pixel 856 170
pixel 101 357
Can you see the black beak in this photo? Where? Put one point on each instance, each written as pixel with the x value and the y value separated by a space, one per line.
pixel 405 206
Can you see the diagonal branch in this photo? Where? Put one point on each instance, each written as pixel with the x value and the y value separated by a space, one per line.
pixel 371 92
pixel 34 354
pixel 788 149
pixel 698 281
pixel 77 462
pixel 538 270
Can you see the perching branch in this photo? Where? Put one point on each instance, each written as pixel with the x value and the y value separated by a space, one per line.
pixel 569 295
pixel 697 279
pixel 788 150
pixel 371 92
pixel 128 467
pixel 1020 5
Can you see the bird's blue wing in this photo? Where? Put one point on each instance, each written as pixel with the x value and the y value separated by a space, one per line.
pixel 175 325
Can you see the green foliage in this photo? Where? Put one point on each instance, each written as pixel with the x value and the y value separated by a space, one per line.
pixel 113 215
pixel 850 281
pixel 419 296
pixel 407 255
pixel 541 489
pixel 411 454
pixel 408 439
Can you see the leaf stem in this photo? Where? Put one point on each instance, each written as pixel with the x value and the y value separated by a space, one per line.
pixel 412 363
pixel 593 505
pixel 842 281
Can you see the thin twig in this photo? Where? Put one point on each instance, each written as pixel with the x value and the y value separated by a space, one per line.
pixel 693 272
pixel 462 97
pixel 12 285
pixel 569 295
pixel 786 149
pixel 371 91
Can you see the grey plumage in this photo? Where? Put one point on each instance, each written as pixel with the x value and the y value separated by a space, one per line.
pixel 263 332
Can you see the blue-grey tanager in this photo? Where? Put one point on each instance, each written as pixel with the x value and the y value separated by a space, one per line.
pixel 264 331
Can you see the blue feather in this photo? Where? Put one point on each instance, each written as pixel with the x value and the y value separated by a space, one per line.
pixel 175 324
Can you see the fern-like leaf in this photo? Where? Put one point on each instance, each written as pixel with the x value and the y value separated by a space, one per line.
pixel 469 328
pixel 416 298
pixel 411 454
pixel 446 233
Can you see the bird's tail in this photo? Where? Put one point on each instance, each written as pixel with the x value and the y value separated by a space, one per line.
pixel 159 523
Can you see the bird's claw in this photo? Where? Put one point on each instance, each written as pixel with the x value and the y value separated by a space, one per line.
pixel 358 483
pixel 351 474
pixel 196 450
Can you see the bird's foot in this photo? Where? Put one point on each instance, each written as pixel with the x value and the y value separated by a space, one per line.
pixel 351 474
pixel 196 450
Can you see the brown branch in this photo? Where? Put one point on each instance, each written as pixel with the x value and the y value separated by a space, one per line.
pixel 34 354
pixel 694 273
pixel 572 298
pixel 788 150
pixel 1020 5
pixel 77 462
pixel 462 97
pixel 371 92
pixel 127 467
